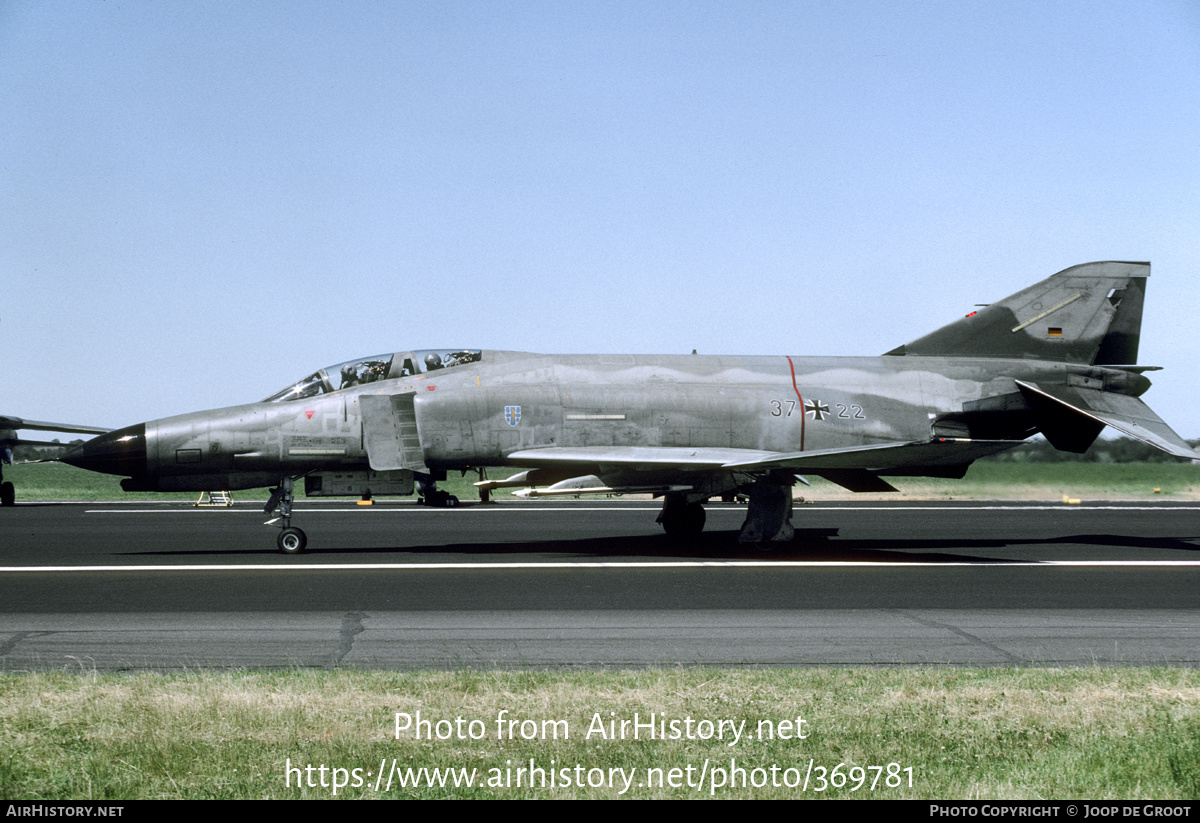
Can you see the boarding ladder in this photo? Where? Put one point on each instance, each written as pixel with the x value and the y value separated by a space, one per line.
pixel 215 499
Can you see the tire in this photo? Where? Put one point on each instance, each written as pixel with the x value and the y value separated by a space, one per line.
pixel 450 502
pixel 683 520
pixel 8 494
pixel 292 540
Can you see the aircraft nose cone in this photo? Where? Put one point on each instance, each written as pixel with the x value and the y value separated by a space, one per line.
pixel 121 452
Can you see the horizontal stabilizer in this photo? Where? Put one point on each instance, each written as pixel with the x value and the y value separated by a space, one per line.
pixel 1126 414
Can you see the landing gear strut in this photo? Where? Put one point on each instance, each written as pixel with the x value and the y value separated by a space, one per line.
pixel 291 540
pixel 769 516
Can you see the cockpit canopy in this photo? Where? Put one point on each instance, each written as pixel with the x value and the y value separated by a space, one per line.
pixel 370 369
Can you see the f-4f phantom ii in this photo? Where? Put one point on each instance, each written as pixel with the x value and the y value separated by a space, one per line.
pixel 1057 358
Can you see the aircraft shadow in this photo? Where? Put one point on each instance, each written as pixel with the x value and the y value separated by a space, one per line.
pixel 809 544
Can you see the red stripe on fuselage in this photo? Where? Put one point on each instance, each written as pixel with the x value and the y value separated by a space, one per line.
pixel 796 389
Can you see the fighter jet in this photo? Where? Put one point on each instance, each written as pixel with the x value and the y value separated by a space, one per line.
pixel 1059 358
pixel 9 441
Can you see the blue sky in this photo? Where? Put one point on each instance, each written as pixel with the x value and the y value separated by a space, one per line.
pixel 200 202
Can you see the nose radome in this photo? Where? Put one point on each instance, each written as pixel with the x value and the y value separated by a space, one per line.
pixel 121 452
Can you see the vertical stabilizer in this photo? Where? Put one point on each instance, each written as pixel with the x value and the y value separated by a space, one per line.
pixel 1120 345
pixel 1090 313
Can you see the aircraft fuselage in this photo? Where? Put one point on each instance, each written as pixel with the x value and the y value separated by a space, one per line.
pixel 479 414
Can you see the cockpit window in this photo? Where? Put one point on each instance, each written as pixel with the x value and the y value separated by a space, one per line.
pixel 433 359
pixel 309 386
pixel 370 369
pixel 363 371
pixel 336 378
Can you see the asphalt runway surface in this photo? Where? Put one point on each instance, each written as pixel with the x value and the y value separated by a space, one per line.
pixel 573 584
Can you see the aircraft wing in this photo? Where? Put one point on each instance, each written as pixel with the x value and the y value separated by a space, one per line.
pixel 886 458
pixel 899 457
pixel 634 457
pixel 1126 414
pixel 38 425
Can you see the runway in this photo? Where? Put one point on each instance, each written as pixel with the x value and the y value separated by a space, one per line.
pixel 551 584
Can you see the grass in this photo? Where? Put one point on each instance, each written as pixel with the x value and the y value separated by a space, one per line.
pixel 1040 481
pixel 984 480
pixel 997 733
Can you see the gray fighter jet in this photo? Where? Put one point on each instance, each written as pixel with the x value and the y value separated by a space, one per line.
pixel 9 441
pixel 1058 358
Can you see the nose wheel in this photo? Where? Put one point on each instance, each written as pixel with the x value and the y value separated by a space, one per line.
pixel 291 540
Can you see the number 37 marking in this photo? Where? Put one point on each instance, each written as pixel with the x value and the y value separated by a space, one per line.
pixel 782 408
pixel 852 411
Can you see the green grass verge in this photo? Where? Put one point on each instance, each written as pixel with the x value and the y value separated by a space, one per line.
pixel 984 480
pixel 998 733
pixel 1041 481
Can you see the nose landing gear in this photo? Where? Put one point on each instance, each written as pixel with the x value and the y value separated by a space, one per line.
pixel 291 540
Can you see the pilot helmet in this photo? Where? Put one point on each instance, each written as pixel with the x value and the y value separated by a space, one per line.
pixel 433 361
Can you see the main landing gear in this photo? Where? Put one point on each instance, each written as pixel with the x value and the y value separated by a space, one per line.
pixel 431 495
pixel 291 540
pixel 681 519
pixel 768 517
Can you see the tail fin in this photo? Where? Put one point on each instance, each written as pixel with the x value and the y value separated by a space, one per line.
pixel 1090 313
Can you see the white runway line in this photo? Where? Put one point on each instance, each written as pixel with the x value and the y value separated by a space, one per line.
pixel 799 508
pixel 680 564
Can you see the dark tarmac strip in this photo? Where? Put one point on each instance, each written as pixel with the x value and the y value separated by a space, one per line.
pixel 551 584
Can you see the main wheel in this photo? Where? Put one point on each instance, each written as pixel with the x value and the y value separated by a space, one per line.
pixel 8 494
pixel 681 519
pixel 291 540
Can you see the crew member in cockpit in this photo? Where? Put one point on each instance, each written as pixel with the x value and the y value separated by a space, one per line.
pixel 433 361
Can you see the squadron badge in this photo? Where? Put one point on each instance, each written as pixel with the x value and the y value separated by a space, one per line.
pixel 512 415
